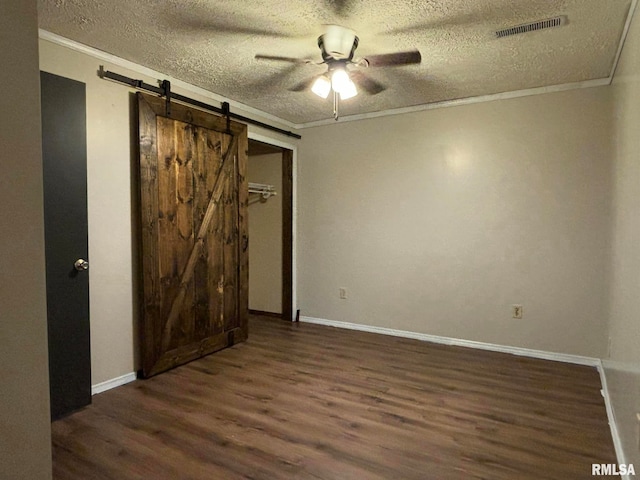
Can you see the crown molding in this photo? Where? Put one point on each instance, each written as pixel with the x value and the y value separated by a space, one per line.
pixel 461 101
pixel 490 98
pixel 623 38
pixel 142 70
pixel 107 57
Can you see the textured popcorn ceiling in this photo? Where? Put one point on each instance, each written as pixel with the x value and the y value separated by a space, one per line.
pixel 212 43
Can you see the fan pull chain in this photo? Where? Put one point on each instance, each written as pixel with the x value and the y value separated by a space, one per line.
pixel 335 105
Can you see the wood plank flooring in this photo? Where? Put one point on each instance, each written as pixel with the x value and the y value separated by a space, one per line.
pixel 302 401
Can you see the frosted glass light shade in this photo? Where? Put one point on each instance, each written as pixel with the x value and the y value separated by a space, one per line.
pixel 348 90
pixel 321 87
pixel 340 80
pixel 342 84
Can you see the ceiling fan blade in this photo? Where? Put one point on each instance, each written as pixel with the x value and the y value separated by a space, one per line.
pixel 366 83
pixel 203 20
pixel 410 57
pixel 278 58
pixel 273 81
pixel 474 14
pixel 221 28
pixel 303 85
pixel 466 19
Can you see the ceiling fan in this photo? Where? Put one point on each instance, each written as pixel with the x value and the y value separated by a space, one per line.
pixel 338 46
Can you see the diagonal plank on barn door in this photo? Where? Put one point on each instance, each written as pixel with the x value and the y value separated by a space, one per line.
pixel 187 273
pixel 194 259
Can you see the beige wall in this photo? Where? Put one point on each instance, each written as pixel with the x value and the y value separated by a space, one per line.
pixel 438 221
pixel 113 307
pixel 623 368
pixel 265 237
pixel 25 436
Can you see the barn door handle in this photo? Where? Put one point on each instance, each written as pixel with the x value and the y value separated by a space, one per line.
pixel 81 265
pixel 245 243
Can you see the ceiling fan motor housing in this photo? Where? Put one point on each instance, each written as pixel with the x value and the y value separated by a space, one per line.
pixel 338 43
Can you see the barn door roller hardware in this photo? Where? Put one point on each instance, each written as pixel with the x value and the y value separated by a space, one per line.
pixel 226 111
pixel 164 90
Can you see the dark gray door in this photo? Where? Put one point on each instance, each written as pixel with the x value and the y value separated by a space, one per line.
pixel 64 147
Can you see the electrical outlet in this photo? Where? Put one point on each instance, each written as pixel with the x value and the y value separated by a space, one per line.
pixel 516 311
pixel 343 293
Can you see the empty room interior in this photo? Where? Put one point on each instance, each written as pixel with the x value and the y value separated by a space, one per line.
pixel 326 239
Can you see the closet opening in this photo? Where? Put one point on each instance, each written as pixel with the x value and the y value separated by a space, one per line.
pixel 270 171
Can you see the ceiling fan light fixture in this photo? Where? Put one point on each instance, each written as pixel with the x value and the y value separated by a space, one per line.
pixel 321 87
pixel 337 48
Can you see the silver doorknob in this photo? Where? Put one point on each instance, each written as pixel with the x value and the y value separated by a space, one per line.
pixel 81 265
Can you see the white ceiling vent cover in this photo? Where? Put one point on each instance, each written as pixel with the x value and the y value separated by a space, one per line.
pixel 533 26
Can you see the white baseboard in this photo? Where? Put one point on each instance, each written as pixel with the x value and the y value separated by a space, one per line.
pixel 617 442
pixel 523 352
pixel 113 383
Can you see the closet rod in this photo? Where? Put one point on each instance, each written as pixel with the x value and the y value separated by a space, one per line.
pixel 262 189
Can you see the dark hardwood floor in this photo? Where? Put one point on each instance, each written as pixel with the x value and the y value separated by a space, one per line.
pixel 301 401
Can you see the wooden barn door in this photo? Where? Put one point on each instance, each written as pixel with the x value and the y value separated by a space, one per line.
pixel 194 258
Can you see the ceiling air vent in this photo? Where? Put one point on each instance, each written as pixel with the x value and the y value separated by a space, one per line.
pixel 532 27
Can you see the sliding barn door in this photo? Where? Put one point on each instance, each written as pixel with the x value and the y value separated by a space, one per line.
pixel 194 259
